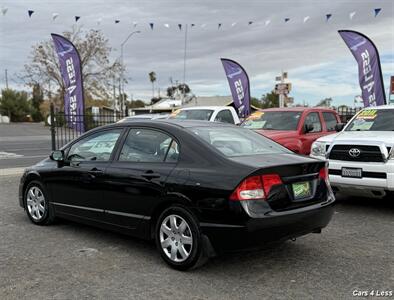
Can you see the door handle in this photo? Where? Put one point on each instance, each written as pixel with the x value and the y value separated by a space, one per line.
pixel 95 172
pixel 150 175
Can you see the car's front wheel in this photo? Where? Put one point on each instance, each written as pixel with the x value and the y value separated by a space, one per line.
pixel 178 238
pixel 37 204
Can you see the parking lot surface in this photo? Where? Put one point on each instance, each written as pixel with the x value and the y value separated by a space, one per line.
pixel 73 261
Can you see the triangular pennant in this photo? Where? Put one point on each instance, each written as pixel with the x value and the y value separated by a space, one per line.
pixel 77 18
pixel 4 10
pixel 54 16
pixel 30 12
pixel 377 11
pixel 151 25
pixel 306 19
pixel 203 25
pixel 351 15
pixel 135 24
pixel 167 25
pixel 328 17
pixel 180 26
pixel 267 22
pixel 233 24
pixel 99 20
pixel 250 22
pixel 117 21
pixel 192 25
pixel 287 20
pixel 219 25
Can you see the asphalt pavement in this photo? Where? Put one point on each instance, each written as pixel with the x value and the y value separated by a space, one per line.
pixel 67 260
pixel 23 144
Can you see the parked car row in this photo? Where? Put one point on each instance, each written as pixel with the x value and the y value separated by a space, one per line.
pixel 201 188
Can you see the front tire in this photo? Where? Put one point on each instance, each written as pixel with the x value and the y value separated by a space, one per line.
pixel 178 238
pixel 36 201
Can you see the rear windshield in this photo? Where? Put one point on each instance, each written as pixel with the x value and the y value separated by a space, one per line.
pixel 193 114
pixel 373 120
pixel 235 141
pixel 273 120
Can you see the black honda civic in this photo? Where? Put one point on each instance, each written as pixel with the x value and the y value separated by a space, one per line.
pixel 196 188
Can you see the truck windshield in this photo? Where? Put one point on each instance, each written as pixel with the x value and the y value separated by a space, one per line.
pixel 373 120
pixel 273 120
pixel 192 114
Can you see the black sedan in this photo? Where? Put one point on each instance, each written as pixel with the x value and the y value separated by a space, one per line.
pixel 196 188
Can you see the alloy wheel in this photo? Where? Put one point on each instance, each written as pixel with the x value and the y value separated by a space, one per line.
pixel 176 238
pixel 35 202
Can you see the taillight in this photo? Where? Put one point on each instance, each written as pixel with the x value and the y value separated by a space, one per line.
pixel 323 174
pixel 255 187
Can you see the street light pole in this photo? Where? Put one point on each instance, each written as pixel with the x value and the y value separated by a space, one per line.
pixel 122 104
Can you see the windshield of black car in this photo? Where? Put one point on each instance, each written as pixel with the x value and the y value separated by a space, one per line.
pixel 373 120
pixel 193 114
pixel 235 141
pixel 273 120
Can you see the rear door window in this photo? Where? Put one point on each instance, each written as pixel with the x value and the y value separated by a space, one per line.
pixel 330 120
pixel 225 116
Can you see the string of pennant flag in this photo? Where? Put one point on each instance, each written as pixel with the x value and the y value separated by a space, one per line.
pixel 328 17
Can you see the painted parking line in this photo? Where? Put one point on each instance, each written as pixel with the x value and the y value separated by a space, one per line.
pixel 9 155
pixel 11 171
pixel 24 156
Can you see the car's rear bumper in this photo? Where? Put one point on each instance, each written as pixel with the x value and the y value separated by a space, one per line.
pixel 259 231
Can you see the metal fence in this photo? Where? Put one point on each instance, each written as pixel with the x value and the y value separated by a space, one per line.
pixel 346 113
pixel 63 130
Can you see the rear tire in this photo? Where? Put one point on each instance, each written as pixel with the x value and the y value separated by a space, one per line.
pixel 36 201
pixel 178 238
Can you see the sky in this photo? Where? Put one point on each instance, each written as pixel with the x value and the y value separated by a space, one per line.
pixel 317 60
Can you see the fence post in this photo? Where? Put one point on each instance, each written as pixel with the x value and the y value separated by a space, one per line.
pixel 53 131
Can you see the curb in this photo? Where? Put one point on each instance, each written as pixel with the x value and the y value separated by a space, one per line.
pixel 11 171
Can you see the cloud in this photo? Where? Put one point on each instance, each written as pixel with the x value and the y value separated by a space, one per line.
pixel 317 60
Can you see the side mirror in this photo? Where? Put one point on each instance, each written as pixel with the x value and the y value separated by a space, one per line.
pixel 308 128
pixel 57 155
pixel 339 127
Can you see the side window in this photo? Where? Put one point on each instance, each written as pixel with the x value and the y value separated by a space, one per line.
pixel 146 145
pixel 224 116
pixel 98 146
pixel 330 120
pixel 313 119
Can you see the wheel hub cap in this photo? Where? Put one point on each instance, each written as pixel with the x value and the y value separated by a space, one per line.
pixel 35 203
pixel 176 238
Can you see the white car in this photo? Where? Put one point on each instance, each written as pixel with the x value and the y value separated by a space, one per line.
pixel 361 156
pixel 224 114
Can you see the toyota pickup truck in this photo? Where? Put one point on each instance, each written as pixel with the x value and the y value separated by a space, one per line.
pixel 361 156
pixel 296 128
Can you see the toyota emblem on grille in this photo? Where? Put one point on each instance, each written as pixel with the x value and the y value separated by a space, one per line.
pixel 354 152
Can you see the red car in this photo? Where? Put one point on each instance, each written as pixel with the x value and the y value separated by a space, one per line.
pixel 295 128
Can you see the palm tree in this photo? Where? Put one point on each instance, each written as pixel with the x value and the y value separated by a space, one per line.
pixel 152 78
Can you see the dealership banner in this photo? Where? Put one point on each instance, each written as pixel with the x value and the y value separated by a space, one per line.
pixel 369 69
pixel 70 67
pixel 239 86
pixel 392 85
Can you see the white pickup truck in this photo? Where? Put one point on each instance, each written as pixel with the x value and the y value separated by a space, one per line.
pixel 224 114
pixel 361 156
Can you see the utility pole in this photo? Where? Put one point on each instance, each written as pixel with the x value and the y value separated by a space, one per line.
pixel 184 65
pixel 6 79
pixel 114 95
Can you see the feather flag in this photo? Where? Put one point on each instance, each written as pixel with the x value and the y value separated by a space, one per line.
pixel 267 22
pixel 30 12
pixel 306 19
pixel 54 16
pixel 328 17
pixel 351 15
pixel 180 26
pixel 287 20
pixel 151 25
pixel 4 10
pixel 77 18
pixel 377 11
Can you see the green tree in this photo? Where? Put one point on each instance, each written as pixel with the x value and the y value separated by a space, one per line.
pixel 152 79
pixel 270 100
pixel 36 101
pixel 14 104
pixel 256 102
pixel 179 89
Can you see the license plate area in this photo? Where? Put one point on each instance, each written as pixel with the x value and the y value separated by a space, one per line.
pixel 301 190
pixel 352 172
